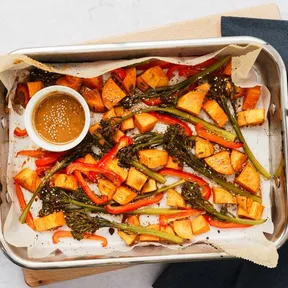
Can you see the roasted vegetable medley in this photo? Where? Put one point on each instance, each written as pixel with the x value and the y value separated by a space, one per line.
pixel 193 173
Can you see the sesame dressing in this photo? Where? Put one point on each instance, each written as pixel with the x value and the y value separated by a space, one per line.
pixel 59 118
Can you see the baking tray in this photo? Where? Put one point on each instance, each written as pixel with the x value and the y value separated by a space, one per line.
pixel 270 67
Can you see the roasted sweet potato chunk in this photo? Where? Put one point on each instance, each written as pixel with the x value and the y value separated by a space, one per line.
pixel 89 159
pixel 149 186
pixel 252 210
pixel 112 94
pixel 145 122
pixel 113 166
pixel 93 99
pixel 128 123
pixel 213 109
pixel 173 163
pixel 175 199
pixel 93 129
pixel 149 238
pixel 244 202
pixel 153 158
pixel 193 100
pixel 34 87
pixel 222 196
pixel 249 178
pixel 64 181
pixel 136 179
pixel 155 77
pixel 130 238
pixel 28 179
pixel 251 117
pixel 106 188
pixel 129 81
pixel 93 83
pixel 51 221
pixel 109 114
pixel 168 229
pixel 238 159
pixel 70 81
pixel 200 225
pixel 256 210
pixel 220 162
pixel 141 84
pixel 118 135
pixel 251 98
pixel 124 195
pixel 203 148
pixel 183 229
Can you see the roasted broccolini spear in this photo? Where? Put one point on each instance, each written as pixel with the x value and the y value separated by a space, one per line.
pixel 192 194
pixel 176 144
pixel 81 223
pixel 79 151
pixel 128 155
pixel 222 91
pixel 165 93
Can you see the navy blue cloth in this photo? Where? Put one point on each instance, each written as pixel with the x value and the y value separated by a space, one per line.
pixel 236 273
pixel 207 274
pixel 274 32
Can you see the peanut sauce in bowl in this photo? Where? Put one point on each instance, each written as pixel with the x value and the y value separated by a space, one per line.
pixel 57 118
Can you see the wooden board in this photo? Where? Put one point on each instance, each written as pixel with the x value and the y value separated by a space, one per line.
pixel 35 278
pixel 199 28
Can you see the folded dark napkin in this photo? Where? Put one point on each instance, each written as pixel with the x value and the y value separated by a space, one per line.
pixel 236 273
pixel 274 32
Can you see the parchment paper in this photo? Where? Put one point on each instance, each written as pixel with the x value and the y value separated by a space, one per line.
pixel 245 243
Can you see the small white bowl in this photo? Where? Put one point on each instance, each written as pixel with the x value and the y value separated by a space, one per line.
pixel 36 100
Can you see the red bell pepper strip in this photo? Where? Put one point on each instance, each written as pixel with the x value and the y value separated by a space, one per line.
pixel 221 224
pixel 135 205
pixel 164 220
pixel 41 153
pixel 202 132
pixel 123 142
pixel 206 192
pixel 68 234
pixel 167 119
pixel 183 175
pixel 172 69
pixel 84 167
pixel 188 71
pixel 119 73
pixel 22 93
pixel 152 101
pixel 20 132
pixel 79 160
pixel 92 176
pixel 40 170
pixel 153 63
pixel 92 196
pixel 32 153
pixel 22 203
pixel 46 161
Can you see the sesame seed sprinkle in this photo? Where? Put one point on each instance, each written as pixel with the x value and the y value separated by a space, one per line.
pixel 59 118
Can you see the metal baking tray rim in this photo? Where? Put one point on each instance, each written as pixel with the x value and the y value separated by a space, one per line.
pixel 56 51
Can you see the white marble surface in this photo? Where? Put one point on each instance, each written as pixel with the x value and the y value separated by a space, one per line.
pixel 53 22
